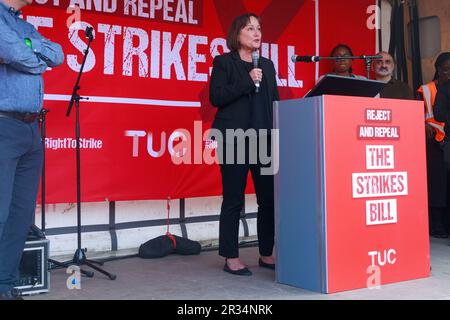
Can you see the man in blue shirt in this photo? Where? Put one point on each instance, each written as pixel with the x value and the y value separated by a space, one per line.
pixel 24 57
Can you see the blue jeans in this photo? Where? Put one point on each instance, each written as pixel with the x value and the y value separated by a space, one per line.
pixel 21 159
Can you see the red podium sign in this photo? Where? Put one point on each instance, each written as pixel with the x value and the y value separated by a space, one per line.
pixel 351 193
pixel 376 192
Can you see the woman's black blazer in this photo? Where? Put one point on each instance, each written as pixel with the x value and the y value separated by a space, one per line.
pixel 231 88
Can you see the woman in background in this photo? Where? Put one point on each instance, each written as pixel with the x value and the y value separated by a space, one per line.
pixel 343 67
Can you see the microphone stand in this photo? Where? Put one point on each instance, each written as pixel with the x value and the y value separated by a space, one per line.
pixel 52 263
pixel 367 60
pixel 79 257
pixel 43 136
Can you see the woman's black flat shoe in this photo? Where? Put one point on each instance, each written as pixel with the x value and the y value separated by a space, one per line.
pixel 262 264
pixel 240 272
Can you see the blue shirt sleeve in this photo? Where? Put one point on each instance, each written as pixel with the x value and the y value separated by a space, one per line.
pixel 15 53
pixel 51 53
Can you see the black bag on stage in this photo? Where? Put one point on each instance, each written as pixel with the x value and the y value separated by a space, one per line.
pixel 167 244
pixel 156 248
pixel 187 247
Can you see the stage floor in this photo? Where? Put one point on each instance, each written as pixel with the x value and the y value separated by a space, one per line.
pixel 201 277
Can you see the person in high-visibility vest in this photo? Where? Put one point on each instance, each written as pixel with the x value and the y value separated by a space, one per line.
pixel 441 104
pixel 438 189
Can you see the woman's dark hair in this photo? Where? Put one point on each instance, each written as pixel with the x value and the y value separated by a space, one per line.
pixel 341 45
pixel 237 25
pixel 441 59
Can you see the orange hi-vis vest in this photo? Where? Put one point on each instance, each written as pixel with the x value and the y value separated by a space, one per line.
pixel 429 92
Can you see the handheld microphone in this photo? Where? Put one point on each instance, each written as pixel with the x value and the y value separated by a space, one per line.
pixel 295 58
pixel 255 59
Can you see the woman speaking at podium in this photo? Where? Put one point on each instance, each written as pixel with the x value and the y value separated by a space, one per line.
pixel 243 88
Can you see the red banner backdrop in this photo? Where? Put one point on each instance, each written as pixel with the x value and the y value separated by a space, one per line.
pixel 147 79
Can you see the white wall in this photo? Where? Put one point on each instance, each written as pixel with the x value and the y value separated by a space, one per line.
pixel 65 215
